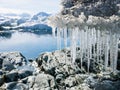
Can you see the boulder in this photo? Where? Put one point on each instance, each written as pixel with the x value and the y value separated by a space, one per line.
pixel 24 73
pixel 14 58
pixel 7 65
pixel 73 80
pixel 12 76
pixel 80 87
pixel 42 81
pixel 16 86
pixel 1 80
pixel 105 85
pixel 56 63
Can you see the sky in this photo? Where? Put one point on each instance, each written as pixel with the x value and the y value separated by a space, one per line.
pixel 30 6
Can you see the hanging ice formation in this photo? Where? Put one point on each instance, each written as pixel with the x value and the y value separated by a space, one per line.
pixel 96 37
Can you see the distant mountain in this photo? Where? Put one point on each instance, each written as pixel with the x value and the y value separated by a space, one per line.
pixel 24 21
pixel 25 15
pixel 37 22
pixel 10 20
pixel 40 16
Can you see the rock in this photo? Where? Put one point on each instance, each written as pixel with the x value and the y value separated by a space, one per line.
pixel 12 76
pixel 24 73
pixel 44 81
pixel 105 85
pixel 16 86
pixel 1 72
pixel 59 78
pixel 1 61
pixel 68 3
pixel 74 80
pixel 15 58
pixel 31 81
pixel 79 87
pixel 24 80
pixel 117 85
pixel 67 70
pixel 94 66
pixel 55 63
pixel 10 85
pixel 91 81
pixel 7 65
pixel 91 7
pixel 1 80
pixel 118 64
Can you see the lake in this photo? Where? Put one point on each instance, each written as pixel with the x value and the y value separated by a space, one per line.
pixel 29 44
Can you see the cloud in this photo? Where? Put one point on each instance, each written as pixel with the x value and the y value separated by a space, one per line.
pixel 33 6
pixel 8 10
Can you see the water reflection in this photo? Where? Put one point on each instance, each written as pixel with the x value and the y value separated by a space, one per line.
pixel 5 34
pixel 30 44
pixel 38 32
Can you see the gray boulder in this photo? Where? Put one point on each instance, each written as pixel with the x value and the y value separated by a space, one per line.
pixel 1 80
pixel 7 65
pixel 57 63
pixel 24 73
pixel 14 58
pixel 105 85
pixel 41 82
pixel 12 76
pixel 16 86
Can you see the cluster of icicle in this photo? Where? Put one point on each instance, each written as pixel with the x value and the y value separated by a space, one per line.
pixel 96 37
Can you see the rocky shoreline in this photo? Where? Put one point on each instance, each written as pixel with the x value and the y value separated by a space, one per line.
pixel 51 71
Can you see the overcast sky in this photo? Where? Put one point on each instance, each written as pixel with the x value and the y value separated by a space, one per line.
pixel 33 6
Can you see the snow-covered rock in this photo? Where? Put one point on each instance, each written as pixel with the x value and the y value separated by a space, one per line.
pixel 10 59
pixel 91 7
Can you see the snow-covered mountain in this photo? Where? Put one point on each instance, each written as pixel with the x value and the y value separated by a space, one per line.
pixel 36 22
pixel 24 21
pixel 40 17
pixel 10 20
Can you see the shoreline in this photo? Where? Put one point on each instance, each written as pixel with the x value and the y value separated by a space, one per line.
pixel 51 71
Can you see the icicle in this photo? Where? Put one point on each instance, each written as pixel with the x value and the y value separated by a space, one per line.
pixel 58 39
pixel 111 50
pixel 94 44
pixel 98 44
pixel 73 44
pixel 81 46
pixel 101 47
pixel 65 34
pixel 65 37
pixel 116 39
pixel 88 49
pixel 53 31
pixel 106 51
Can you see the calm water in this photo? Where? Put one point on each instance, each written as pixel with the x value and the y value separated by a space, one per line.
pixel 29 44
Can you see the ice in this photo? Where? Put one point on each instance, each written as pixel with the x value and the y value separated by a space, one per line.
pixel 65 37
pixel 106 51
pixel 58 39
pixel 97 39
